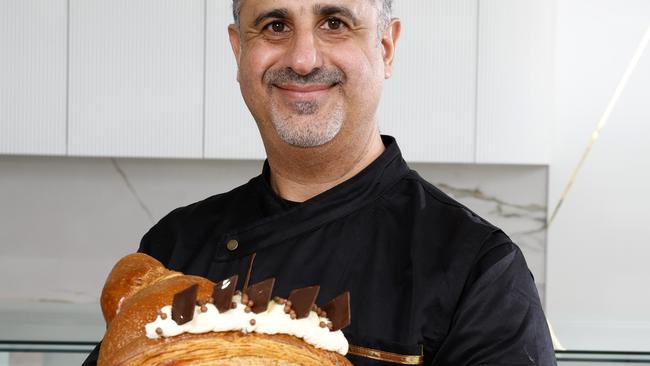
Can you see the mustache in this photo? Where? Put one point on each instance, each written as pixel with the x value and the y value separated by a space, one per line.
pixel 317 76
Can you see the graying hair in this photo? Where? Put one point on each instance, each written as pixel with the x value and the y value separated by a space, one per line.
pixel 385 12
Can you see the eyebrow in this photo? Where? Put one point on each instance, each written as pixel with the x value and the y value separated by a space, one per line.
pixel 281 13
pixel 321 10
pixel 329 10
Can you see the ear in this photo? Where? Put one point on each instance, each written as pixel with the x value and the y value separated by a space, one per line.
pixel 389 39
pixel 235 43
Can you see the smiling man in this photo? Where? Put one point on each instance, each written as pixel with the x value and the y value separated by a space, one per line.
pixel 430 282
pixel 311 74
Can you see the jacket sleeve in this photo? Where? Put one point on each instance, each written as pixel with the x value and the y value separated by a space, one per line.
pixel 499 319
pixel 159 241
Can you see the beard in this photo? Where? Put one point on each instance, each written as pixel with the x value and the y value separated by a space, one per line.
pixel 306 123
pixel 306 126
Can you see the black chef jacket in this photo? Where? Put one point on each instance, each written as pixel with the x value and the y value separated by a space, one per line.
pixel 430 282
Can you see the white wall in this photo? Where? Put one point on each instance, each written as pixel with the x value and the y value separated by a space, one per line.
pixel 599 245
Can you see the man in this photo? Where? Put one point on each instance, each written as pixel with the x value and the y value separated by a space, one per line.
pixel 430 282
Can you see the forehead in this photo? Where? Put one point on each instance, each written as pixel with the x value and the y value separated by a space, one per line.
pixel 360 8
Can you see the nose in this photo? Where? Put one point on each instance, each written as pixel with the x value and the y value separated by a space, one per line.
pixel 303 56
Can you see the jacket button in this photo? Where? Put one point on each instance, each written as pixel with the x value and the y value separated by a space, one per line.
pixel 232 245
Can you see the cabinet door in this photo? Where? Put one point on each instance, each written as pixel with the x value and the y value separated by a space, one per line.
pixel 515 106
pixel 33 76
pixel 230 130
pixel 429 103
pixel 136 78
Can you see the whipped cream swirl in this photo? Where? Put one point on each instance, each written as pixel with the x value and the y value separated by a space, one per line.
pixel 272 321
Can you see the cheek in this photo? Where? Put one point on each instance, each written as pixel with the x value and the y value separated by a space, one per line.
pixel 363 73
pixel 257 61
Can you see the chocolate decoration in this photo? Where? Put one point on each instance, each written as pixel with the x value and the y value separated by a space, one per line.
pixel 223 292
pixel 250 269
pixel 183 305
pixel 338 311
pixel 302 300
pixel 260 294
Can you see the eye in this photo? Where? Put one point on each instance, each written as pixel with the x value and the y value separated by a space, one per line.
pixel 277 27
pixel 333 24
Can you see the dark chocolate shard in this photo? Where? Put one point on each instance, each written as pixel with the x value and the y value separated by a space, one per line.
pixel 223 292
pixel 338 311
pixel 260 294
pixel 251 260
pixel 183 305
pixel 302 300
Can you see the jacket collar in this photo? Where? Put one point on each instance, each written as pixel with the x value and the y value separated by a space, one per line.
pixel 292 219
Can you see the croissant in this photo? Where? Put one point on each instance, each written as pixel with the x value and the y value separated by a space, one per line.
pixel 138 288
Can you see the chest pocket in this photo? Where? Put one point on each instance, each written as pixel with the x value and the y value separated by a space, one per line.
pixel 365 351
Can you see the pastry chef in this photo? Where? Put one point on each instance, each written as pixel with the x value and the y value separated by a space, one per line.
pixel 431 282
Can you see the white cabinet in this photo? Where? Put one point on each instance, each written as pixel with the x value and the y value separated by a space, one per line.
pixel 136 78
pixel 230 131
pixel 473 80
pixel 429 103
pixel 33 76
pixel 515 103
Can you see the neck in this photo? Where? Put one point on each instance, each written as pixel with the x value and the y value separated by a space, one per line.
pixel 298 174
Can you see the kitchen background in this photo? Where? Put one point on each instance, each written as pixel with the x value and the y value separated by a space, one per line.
pixel 112 113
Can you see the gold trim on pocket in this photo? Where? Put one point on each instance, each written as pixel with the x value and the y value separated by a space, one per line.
pixel 376 354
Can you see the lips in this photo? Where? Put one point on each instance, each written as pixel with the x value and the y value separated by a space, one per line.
pixel 303 88
pixel 307 91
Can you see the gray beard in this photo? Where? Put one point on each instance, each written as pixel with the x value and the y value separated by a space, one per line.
pixel 306 128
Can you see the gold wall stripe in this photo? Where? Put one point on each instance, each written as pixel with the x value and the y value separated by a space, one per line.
pixel 603 121
pixel 386 356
